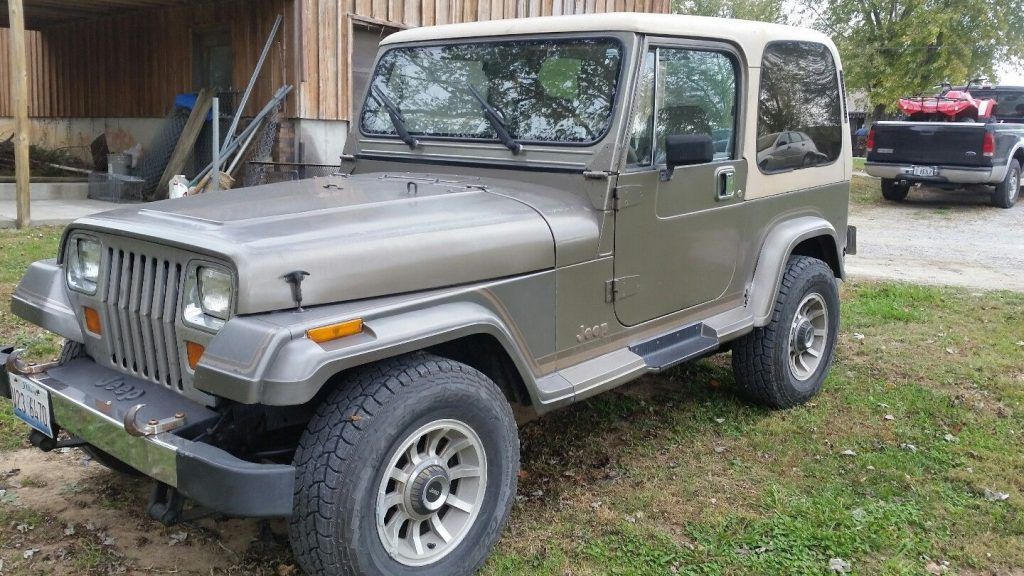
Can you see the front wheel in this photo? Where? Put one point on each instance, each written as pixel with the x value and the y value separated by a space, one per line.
pixel 894 191
pixel 1007 192
pixel 408 468
pixel 784 363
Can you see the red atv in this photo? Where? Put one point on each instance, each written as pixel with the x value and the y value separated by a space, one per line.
pixel 949 106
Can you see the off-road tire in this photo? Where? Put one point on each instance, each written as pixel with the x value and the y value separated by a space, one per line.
pixel 893 191
pixel 109 462
pixel 347 446
pixel 1007 192
pixel 70 351
pixel 760 360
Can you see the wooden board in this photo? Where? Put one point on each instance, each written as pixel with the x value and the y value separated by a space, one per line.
pixel 187 141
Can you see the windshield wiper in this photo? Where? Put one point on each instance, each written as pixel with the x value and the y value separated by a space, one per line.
pixel 495 119
pixel 395 113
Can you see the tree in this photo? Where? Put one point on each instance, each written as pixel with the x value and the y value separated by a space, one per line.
pixel 894 48
pixel 763 10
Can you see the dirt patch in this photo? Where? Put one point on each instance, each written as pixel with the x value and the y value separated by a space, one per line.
pixel 79 498
pixel 940 237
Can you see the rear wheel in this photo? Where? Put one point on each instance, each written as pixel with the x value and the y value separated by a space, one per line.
pixel 408 468
pixel 1007 192
pixel 894 191
pixel 784 363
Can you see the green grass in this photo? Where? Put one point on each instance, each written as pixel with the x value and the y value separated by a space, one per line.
pixel 678 474
pixel 865 191
pixel 858 163
pixel 779 496
pixel 21 248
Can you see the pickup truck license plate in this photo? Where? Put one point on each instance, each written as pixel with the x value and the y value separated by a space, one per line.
pixel 926 171
pixel 31 404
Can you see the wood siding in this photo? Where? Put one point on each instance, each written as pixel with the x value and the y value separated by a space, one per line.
pixel 132 65
pixel 35 56
pixel 326 23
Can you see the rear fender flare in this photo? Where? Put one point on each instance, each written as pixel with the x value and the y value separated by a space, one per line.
pixel 775 252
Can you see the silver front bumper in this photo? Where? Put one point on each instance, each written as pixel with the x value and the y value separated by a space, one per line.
pixel 89 402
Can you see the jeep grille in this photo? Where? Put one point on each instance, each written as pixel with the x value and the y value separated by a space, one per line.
pixel 141 303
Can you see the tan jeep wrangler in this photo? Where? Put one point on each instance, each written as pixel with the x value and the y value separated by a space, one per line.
pixel 531 212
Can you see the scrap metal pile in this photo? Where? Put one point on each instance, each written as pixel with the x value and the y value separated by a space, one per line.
pixel 179 139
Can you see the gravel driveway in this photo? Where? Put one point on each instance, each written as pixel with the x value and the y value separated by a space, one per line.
pixel 940 237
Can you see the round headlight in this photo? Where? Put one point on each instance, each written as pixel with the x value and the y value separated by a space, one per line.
pixel 83 265
pixel 215 292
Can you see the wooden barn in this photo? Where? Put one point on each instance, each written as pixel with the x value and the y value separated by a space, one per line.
pixel 114 67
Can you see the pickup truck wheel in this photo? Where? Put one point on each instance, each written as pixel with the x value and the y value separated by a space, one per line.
pixel 1008 191
pixel 893 191
pixel 784 363
pixel 409 468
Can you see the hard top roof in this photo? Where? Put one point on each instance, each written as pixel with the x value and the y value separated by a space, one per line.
pixel 750 36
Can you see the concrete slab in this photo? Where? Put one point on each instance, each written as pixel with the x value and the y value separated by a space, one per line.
pixel 53 212
pixel 57 189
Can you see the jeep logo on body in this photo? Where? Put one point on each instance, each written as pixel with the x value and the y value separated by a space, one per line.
pixel 121 390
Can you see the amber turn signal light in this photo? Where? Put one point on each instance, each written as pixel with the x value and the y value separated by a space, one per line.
pixel 335 331
pixel 195 353
pixel 92 321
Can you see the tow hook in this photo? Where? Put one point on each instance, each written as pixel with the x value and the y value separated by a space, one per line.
pixel 15 365
pixel 152 427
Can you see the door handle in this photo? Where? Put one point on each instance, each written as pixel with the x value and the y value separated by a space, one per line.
pixel 725 183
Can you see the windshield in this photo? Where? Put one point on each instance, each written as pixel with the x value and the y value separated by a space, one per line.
pixel 544 90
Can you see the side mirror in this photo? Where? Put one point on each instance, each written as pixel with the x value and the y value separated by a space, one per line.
pixel 688 149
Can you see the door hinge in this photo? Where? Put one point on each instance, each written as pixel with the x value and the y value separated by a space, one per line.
pixel 620 288
pixel 626 196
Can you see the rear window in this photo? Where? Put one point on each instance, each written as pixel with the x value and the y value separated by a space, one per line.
pixel 800 95
pixel 1010 104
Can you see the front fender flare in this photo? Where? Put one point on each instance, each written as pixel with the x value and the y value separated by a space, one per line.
pixel 287 369
pixel 42 299
pixel 775 251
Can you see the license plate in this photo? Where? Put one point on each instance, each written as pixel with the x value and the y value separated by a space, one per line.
pixel 926 171
pixel 31 404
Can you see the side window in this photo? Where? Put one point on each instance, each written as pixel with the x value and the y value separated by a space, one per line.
pixel 684 91
pixel 641 136
pixel 800 98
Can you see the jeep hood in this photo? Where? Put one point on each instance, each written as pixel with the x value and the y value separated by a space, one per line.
pixel 357 237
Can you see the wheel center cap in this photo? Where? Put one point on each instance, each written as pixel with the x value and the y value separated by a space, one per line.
pixel 804 336
pixel 429 491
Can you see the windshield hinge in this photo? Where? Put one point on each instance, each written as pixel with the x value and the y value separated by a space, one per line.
pixel 621 288
pixel 626 196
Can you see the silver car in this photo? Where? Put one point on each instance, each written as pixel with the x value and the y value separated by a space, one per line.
pixel 529 213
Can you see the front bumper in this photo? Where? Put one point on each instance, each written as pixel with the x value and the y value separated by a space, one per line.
pixel 90 402
pixel 946 174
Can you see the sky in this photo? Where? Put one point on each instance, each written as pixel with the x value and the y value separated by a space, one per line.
pixel 1013 75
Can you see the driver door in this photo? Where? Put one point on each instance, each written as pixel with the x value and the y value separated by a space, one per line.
pixel 678 232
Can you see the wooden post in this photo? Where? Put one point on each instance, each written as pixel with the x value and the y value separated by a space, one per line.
pixel 19 102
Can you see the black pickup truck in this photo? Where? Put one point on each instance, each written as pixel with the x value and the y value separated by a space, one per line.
pixel 954 154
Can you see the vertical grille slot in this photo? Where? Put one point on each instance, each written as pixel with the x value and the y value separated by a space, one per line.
pixel 140 304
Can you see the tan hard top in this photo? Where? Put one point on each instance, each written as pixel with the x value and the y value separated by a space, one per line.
pixel 748 35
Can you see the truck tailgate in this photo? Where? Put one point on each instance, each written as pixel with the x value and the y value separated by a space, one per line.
pixel 950 143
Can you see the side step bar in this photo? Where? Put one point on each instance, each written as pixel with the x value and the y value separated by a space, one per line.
pixel 676 347
pixel 620 366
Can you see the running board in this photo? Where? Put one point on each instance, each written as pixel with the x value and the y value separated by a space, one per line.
pixel 676 347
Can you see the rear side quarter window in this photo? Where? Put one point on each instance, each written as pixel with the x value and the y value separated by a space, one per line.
pixel 800 97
